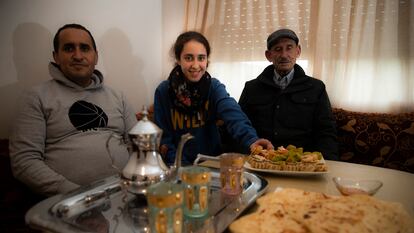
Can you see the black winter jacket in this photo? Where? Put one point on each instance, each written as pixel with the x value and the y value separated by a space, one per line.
pixel 299 115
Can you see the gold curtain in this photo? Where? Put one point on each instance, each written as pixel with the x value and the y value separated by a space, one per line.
pixel 363 50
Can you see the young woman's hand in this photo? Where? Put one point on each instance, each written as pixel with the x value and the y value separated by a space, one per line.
pixel 266 144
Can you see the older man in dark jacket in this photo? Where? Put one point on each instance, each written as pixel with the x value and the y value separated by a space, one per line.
pixel 285 105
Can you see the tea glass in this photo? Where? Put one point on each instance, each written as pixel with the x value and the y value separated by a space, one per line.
pixel 196 183
pixel 231 173
pixel 165 201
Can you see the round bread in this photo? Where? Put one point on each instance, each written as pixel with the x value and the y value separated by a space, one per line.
pixel 294 210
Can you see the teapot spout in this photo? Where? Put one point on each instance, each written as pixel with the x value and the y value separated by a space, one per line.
pixel 179 155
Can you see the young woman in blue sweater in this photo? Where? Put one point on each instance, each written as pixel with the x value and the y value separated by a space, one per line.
pixel 191 101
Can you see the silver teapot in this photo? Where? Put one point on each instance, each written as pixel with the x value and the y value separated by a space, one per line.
pixel 145 165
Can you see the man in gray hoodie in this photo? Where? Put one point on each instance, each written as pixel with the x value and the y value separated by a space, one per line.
pixel 59 137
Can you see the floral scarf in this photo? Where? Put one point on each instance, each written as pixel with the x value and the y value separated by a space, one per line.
pixel 188 97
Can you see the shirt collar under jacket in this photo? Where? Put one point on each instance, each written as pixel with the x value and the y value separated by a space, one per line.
pixel 284 81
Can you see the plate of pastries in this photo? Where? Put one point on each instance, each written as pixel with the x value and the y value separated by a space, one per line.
pixel 291 160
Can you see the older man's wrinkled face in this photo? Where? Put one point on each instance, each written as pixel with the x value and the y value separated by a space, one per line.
pixel 76 56
pixel 283 55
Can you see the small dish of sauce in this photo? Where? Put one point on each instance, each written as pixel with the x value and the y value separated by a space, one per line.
pixel 346 191
pixel 347 186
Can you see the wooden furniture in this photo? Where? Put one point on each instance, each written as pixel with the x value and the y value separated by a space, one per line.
pixel 398 186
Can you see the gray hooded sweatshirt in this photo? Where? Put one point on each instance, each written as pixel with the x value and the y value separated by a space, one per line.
pixel 59 138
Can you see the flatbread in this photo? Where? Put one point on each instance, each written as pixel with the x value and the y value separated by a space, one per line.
pixel 265 220
pixel 294 210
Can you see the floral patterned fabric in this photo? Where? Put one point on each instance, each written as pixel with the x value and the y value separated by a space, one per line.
pixel 385 140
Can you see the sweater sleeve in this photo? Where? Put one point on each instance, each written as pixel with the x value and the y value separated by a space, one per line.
pixel 162 117
pixel 130 118
pixel 27 147
pixel 237 123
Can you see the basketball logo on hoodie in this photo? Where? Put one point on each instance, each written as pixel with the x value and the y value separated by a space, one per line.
pixel 85 116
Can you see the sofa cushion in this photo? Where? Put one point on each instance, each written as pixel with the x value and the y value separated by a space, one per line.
pixel 385 140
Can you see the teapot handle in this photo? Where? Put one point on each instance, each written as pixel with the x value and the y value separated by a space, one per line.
pixel 205 158
pixel 120 138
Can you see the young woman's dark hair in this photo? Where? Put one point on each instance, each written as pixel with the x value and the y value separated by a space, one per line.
pixel 186 37
pixel 72 25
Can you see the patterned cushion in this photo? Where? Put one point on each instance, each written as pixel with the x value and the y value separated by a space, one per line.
pixel 385 140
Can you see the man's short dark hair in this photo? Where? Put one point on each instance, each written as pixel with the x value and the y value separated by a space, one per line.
pixel 72 25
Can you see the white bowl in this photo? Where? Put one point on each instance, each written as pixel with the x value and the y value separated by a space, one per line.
pixel 354 186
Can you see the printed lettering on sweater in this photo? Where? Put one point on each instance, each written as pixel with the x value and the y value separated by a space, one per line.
pixel 182 121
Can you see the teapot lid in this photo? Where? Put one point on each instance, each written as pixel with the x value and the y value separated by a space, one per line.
pixel 145 126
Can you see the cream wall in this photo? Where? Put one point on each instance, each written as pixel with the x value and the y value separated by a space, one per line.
pixel 133 39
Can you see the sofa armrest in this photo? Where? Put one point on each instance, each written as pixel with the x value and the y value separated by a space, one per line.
pixel 15 197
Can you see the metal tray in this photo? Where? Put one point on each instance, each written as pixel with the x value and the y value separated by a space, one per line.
pixel 106 207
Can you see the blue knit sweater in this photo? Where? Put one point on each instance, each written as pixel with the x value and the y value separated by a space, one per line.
pixel 220 106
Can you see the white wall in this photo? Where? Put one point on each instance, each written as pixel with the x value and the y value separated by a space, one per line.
pixel 173 12
pixel 132 44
